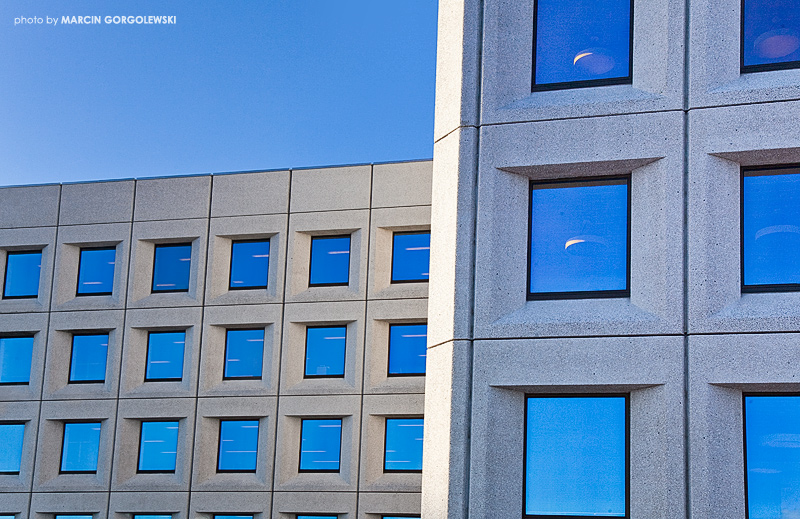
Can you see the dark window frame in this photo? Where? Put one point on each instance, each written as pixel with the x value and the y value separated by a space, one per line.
pixel 301 470
pixel 80 259
pixel 385 434
pixel 763 67
pixel 153 280
pixel 311 256
pixel 5 273
pixel 305 351
pixel 755 289
pixel 25 425
pixel 269 264
pixel 389 374
pixel 565 85
pixel 147 356
pixel 19 335
pixel 72 354
pixel 64 424
pixel 393 281
pixel 225 354
pixel 139 452
pixel 219 445
pixel 585 294
pixel 627 398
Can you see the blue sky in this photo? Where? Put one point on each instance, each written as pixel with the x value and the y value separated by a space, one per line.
pixel 232 86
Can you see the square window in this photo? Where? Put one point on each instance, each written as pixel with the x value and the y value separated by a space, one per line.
pixel 770 35
pixel 23 270
pixel 15 360
pixel 96 271
pixel 403 452
pixel 580 239
pixel 165 356
pixel 244 354
pixel 330 261
pixel 770 229
pixel 88 361
pixel 158 446
pixel 772 460
pixel 238 446
pixel 80 448
pixel 582 43
pixel 576 456
pixel 325 351
pixel 11 436
pixel 249 264
pixel 171 267
pixel 320 445
pixel 408 349
pixel 411 256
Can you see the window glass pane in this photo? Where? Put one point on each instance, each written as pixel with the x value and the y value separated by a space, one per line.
pixel 320 445
pixel 400 517
pixel 403 444
pixel 249 264
pixel 408 349
pixel 325 351
pixel 244 353
pixel 582 40
pixel 171 268
pixel 330 260
pixel 771 32
pixel 7 517
pixel 81 446
pixel 771 226
pixel 411 256
pixel 152 516
pixel 15 359
pixel 238 445
pixel 73 516
pixel 579 237
pixel 165 356
pixel 233 516
pixel 96 272
pixel 576 456
pixel 158 449
pixel 11 436
pixel 23 270
pixel 317 517
pixel 772 434
pixel 89 354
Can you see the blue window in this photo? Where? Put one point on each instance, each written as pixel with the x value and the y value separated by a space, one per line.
pixel 325 351
pixel 88 361
pixel 81 447
pixel 408 349
pixel 320 445
pixel 411 256
pixel 249 264
pixel 11 436
pixel 23 270
pixel 317 517
pixel 770 35
pixel 238 446
pixel 171 267
pixel 152 516
pixel 74 516
pixel 165 356
pixel 158 447
pixel 96 271
pixel 403 451
pixel 579 239
pixel 330 260
pixel 771 229
pixel 244 354
pixel 15 360
pixel 582 43
pixel 576 456
pixel 218 516
pixel 772 459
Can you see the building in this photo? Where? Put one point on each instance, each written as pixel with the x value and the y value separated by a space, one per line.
pixel 167 357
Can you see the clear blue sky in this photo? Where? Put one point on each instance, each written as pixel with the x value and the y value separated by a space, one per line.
pixel 232 86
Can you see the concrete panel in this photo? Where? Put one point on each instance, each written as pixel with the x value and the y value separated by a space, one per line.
pixel 658 35
pixel 381 314
pixel 216 322
pixel 70 241
pixel 297 318
pixel 374 505
pixel 210 411
pixel 288 505
pixel 376 409
pixel 172 198
pixel 27 413
pixel 331 189
pixel 649 148
pixel 26 325
pixel 18 240
pixel 45 506
pixel 205 505
pixel 29 206
pixel 59 354
pixel 16 504
pixel 402 184
pixel 250 193
pixel 96 202
pixel 123 505
pixel 223 232
pixel 383 224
